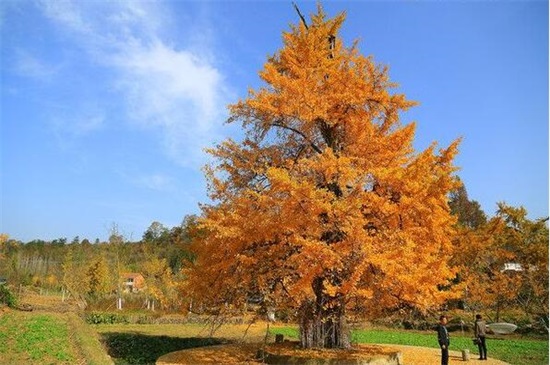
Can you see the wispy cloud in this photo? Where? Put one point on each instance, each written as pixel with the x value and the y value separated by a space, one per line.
pixel 159 182
pixel 67 14
pixel 172 90
pixel 156 180
pixel 167 86
pixel 77 123
pixel 28 65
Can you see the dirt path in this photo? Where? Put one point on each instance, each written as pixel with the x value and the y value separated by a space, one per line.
pixel 413 355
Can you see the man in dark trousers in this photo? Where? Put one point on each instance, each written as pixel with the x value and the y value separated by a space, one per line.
pixel 480 335
pixel 443 339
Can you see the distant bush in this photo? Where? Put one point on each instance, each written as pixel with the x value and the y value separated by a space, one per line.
pixel 7 297
pixel 97 317
pixel 106 318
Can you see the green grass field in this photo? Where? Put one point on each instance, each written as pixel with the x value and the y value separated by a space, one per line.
pixel 515 351
pixel 48 338
pixel 53 338
pixel 41 338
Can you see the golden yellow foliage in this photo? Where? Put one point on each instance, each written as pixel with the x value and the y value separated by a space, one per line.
pixel 505 262
pixel 4 237
pixel 159 280
pixel 325 200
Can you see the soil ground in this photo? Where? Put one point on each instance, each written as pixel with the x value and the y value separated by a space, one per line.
pixel 426 356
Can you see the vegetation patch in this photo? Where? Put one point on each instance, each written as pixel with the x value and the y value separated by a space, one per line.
pixel 88 341
pixel 35 339
pixel 135 348
pixel 106 318
pixel 7 297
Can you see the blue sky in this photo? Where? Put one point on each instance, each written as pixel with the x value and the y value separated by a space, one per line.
pixel 106 106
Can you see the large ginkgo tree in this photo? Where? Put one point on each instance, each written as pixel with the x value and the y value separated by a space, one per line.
pixel 324 209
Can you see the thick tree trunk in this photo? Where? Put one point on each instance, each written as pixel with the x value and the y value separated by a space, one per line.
pixel 323 322
pixel 323 328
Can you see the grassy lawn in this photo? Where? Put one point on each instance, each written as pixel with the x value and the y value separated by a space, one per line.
pixel 513 350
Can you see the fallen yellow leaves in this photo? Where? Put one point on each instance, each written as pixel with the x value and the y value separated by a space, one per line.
pixel 246 353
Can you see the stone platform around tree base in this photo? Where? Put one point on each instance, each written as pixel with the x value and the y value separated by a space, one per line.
pixel 246 353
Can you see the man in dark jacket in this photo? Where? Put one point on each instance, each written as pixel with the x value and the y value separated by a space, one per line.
pixel 480 334
pixel 443 339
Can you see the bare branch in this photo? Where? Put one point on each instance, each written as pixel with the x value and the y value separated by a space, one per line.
pixel 300 15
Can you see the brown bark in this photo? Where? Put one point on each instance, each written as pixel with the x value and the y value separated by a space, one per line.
pixel 323 322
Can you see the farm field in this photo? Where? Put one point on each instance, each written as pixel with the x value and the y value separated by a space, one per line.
pixel 55 338
pixel 36 338
pixel 48 338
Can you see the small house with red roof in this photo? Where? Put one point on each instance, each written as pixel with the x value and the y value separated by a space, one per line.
pixel 133 282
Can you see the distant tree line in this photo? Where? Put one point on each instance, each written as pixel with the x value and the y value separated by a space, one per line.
pixel 89 271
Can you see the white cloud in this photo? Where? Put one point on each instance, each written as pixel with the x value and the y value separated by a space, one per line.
pixel 28 65
pixel 175 91
pixel 157 182
pixel 173 88
pixel 68 124
pixel 67 14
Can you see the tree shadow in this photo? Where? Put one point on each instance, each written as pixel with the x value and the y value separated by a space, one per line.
pixel 138 349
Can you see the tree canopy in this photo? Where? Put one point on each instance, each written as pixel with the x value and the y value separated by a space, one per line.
pixel 325 207
pixel 468 212
pixel 504 262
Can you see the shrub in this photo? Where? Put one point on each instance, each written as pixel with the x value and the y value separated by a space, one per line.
pixel 7 297
pixel 106 318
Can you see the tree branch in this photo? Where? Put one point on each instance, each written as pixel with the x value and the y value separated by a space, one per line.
pixel 313 146
pixel 300 15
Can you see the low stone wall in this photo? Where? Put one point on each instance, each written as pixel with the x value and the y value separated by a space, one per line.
pixel 288 352
pixel 392 359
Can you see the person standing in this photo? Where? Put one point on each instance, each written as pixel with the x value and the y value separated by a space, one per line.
pixel 480 333
pixel 443 339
